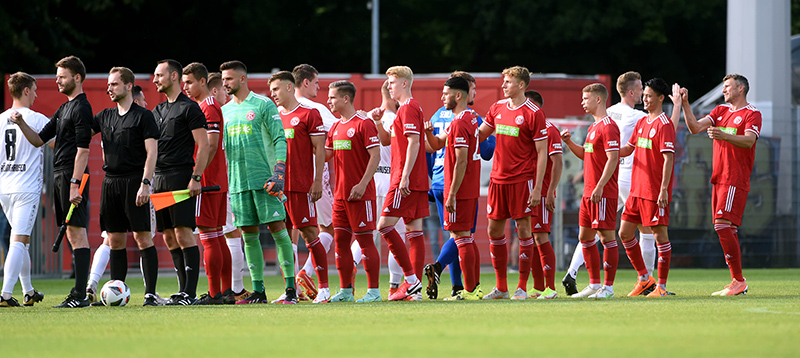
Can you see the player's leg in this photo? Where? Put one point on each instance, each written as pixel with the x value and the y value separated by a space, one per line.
pixel 99 264
pixel 18 209
pixel 246 207
pixel 497 213
pixel 546 265
pixel 631 218
pixel 586 237
pixel 394 202
pixel 12 268
pixel 728 203
pixel 664 258
pixel 536 271
pixel 526 246
pixel 342 237
pixel 233 239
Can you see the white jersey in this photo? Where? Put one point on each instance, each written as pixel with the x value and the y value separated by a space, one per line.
pixel 383 177
pixel 328 119
pixel 626 119
pixel 21 162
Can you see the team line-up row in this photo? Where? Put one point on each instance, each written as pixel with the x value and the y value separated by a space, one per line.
pixel 273 159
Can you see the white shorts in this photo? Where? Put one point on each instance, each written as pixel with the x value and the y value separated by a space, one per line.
pixel 624 193
pixel 325 203
pixel 229 227
pixel 21 210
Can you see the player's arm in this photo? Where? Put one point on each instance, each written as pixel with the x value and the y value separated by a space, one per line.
pixel 608 171
pixel 747 140
pixel 201 140
pixel 626 150
pixel 151 146
pixel 411 159
pixel 666 174
pixel 384 136
pixel 83 137
pixel 374 159
pixel 676 105
pixel 213 145
pixel 29 133
pixel 484 131
pixel 318 142
pixel 692 123
pixel 566 136
pixel 433 142
pixel 555 177
pixel 460 168
pixel 535 197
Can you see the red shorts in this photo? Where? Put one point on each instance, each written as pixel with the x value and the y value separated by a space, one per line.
pixel 300 210
pixel 359 216
pixel 541 221
pixel 600 216
pixel 728 203
pixel 645 212
pixel 464 217
pixel 211 209
pixel 509 201
pixel 410 208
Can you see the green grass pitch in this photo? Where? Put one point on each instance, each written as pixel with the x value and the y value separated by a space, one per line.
pixel 763 323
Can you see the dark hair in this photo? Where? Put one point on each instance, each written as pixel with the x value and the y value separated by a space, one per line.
pixel 137 90
pixel 457 83
pixel 172 65
pixel 196 69
pixel 214 79
pixel 535 96
pixel 18 82
pixel 344 88
pixel 741 80
pixel 125 74
pixel 74 65
pixel 281 76
pixel 463 74
pixel 659 85
pixel 303 72
pixel 233 65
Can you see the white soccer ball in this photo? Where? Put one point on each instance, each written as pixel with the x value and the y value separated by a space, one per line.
pixel 115 293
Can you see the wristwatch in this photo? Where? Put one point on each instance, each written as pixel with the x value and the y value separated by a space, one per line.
pixel 146 181
pixel 74 181
pixel 196 178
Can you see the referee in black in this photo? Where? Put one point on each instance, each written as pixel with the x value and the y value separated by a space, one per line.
pixel 71 126
pixel 130 135
pixel 182 125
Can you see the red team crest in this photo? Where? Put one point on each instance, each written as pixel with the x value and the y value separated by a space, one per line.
pixel 251 115
pixel 295 121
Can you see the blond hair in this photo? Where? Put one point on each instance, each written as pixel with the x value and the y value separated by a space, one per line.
pixel 625 82
pixel 520 73
pixel 403 72
pixel 597 89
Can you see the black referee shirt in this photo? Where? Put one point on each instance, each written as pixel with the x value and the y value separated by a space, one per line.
pixel 71 125
pixel 176 121
pixel 123 138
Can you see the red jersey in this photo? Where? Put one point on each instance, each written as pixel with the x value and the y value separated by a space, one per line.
pixel 349 141
pixel 650 139
pixel 601 137
pixel 409 121
pixel 733 165
pixel 517 129
pixel 216 172
pixel 553 147
pixel 299 125
pixel 463 133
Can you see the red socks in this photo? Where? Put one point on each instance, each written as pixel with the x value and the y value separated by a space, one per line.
pixel 730 246
pixel 214 257
pixel 526 247
pixel 372 261
pixel 344 258
pixel 536 270
pixel 466 258
pixel 610 261
pixel 664 257
pixel 416 250
pixel 634 252
pixel 548 264
pixel 398 249
pixel 498 248
pixel 319 258
pixel 592 258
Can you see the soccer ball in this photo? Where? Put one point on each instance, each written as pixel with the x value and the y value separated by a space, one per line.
pixel 115 293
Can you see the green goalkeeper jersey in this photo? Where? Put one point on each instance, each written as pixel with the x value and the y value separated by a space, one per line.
pixel 254 140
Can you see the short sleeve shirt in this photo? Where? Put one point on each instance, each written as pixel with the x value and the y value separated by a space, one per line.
pixel 20 162
pixel 463 133
pixel 602 137
pixel 626 119
pixel 733 165
pixel 553 147
pixel 216 172
pixel 176 121
pixel 650 139
pixel 123 138
pixel 409 121
pixel 349 140
pixel 299 126
pixel 517 130
pixel 71 126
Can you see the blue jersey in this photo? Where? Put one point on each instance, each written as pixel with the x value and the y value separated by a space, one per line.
pixel 441 120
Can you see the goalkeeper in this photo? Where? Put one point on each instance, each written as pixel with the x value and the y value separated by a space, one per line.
pixel 254 142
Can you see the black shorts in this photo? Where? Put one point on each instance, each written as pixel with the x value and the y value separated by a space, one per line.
pixel 180 214
pixel 61 186
pixel 118 210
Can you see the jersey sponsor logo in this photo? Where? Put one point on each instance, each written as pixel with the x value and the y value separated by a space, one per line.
pixel 731 131
pixel 755 128
pixel 652 132
pixel 240 129
pixel 351 132
pixel 543 131
pixel 294 121
pixel 289 133
pixel 669 145
pixel 445 114
pixel 461 140
pixel 410 126
pixel 342 145
pixel 519 120
pixel 11 167
pixel 557 145
pixel 507 130
pixel 588 147
pixel 644 143
pixel 321 128
pixel 737 121
pixel 251 115
pixel 613 143
pixel 374 140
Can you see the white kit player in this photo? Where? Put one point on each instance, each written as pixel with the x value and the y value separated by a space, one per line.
pixel 21 175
